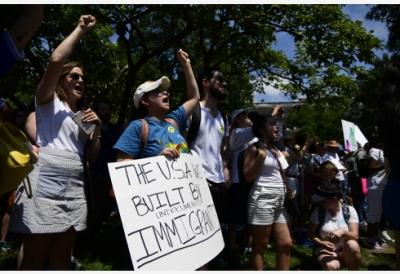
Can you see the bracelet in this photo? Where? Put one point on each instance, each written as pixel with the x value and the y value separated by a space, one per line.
pixel 99 136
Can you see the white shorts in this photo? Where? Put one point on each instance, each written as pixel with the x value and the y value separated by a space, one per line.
pixel 265 206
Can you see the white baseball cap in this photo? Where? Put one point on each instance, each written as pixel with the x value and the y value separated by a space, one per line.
pixel 237 112
pixel 163 82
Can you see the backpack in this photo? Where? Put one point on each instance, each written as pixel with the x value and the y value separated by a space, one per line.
pixel 357 168
pixel 195 125
pixel 240 168
pixel 145 131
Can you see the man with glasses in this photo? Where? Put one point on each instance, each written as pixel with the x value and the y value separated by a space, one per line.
pixel 211 143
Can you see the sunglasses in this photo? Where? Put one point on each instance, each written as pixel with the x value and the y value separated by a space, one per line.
pixel 75 76
pixel 220 78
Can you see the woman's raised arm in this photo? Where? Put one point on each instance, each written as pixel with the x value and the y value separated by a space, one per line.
pixel 45 92
pixel 192 90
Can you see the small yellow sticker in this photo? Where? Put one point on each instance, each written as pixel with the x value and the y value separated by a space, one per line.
pixel 171 129
pixel 222 129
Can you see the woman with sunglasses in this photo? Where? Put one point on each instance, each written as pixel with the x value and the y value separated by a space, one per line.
pixel 264 164
pixel 51 219
pixel 151 99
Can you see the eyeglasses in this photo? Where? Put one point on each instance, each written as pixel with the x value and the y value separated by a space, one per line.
pixel 158 93
pixel 220 78
pixel 75 76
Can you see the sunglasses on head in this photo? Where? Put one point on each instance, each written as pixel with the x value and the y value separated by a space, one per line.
pixel 75 76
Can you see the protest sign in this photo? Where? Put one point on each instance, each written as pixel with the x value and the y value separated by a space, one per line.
pixel 360 138
pixel 167 212
pixel 349 135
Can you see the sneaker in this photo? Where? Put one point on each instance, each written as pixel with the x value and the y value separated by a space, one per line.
pixel 381 242
pixel 386 237
pixel 373 244
pixel 4 247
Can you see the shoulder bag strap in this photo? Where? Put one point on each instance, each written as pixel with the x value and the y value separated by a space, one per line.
pixel 172 121
pixel 288 190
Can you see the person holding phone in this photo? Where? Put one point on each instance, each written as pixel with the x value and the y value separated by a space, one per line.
pixel 50 221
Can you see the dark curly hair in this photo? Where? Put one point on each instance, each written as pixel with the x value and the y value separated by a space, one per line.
pixel 389 105
pixel 259 123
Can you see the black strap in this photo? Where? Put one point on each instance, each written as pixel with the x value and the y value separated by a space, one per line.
pixel 195 125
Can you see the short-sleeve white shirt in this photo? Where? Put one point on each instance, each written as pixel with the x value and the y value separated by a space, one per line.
pixel 56 129
pixel 377 178
pixel 331 223
pixel 240 139
pixel 207 144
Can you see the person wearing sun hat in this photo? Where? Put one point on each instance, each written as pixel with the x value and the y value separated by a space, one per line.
pixel 335 240
pixel 151 99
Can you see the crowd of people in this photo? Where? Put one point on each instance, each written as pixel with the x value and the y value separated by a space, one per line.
pixel 72 189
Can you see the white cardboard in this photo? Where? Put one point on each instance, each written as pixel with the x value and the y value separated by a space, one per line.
pixel 167 212
pixel 360 136
pixel 349 136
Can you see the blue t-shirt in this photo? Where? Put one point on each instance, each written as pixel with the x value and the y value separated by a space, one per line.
pixel 8 53
pixel 162 134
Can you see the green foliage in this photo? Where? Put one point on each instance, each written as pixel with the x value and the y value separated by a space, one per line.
pixel 390 15
pixel 321 121
pixel 134 43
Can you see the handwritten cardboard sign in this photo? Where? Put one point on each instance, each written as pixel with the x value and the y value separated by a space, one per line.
pixel 167 212
pixel 349 135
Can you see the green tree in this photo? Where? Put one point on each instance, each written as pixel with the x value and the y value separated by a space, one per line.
pixel 315 120
pixel 390 15
pixel 135 43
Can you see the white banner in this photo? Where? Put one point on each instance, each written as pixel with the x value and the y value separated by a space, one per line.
pixel 349 136
pixel 167 212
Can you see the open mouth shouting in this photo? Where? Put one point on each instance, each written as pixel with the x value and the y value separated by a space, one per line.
pixel 79 89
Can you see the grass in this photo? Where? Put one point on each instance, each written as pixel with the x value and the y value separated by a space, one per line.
pixel 108 251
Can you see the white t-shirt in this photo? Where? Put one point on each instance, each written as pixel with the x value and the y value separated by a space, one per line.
pixel 56 129
pixel 335 159
pixel 331 223
pixel 207 144
pixel 377 178
pixel 269 174
pixel 240 139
